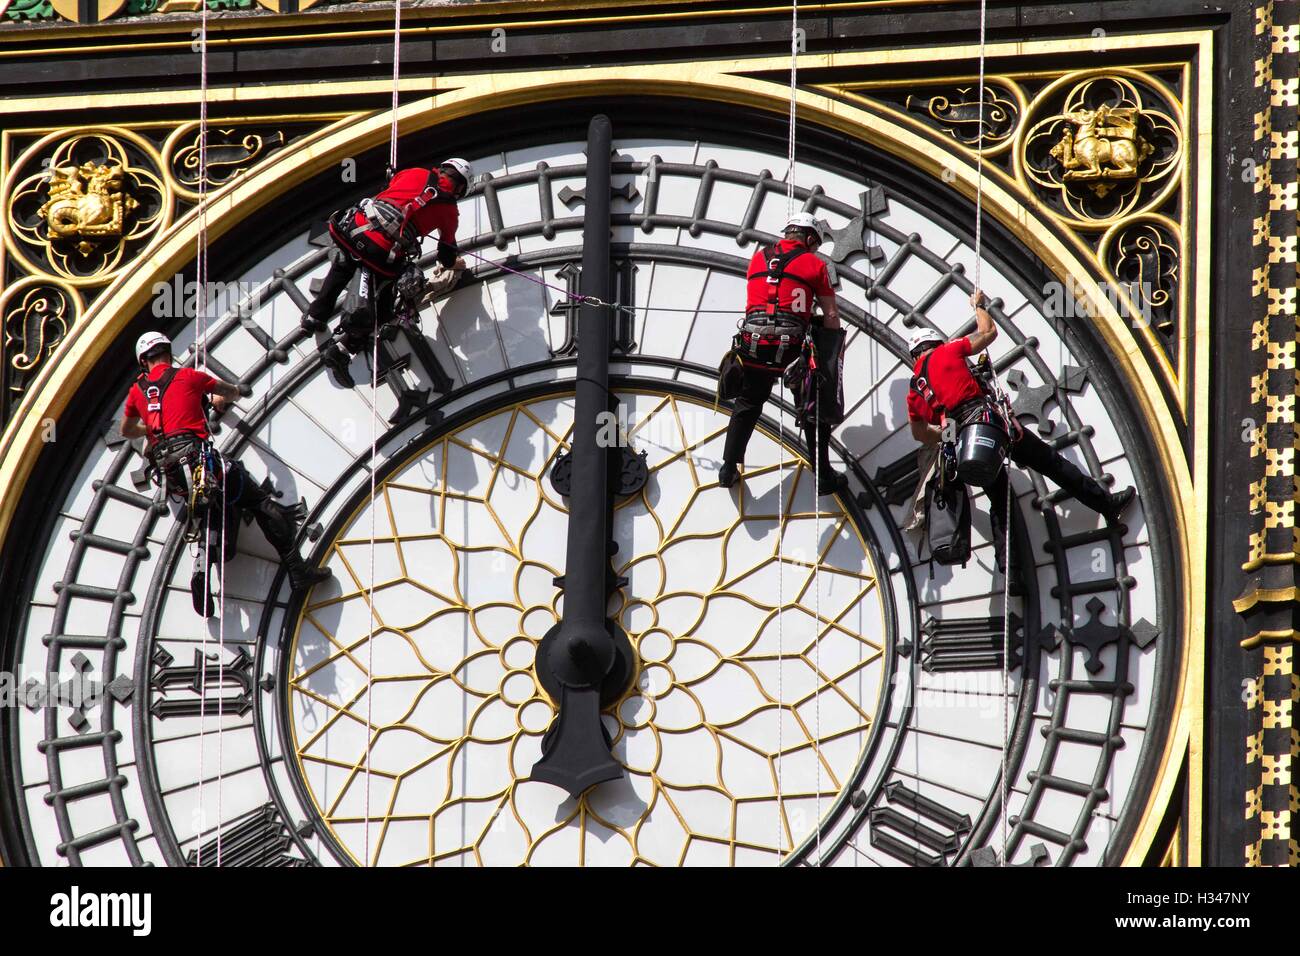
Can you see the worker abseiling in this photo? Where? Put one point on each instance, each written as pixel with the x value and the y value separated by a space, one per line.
pixel 779 333
pixel 381 237
pixel 950 401
pixel 166 407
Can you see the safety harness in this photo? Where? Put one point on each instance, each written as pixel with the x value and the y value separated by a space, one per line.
pixel 153 397
pixel 770 336
pixel 392 222
pixel 921 384
pixel 185 463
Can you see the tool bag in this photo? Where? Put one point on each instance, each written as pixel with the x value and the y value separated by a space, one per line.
pixel 983 442
pixel 731 378
pixel 816 378
pixel 408 293
pixel 948 520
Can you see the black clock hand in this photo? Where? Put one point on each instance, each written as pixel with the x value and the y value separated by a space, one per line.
pixel 585 660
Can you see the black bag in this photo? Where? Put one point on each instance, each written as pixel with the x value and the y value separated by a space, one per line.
pixel 947 516
pixel 731 377
pixel 829 352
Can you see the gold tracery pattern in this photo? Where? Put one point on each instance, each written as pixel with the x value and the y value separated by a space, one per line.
pixel 459 722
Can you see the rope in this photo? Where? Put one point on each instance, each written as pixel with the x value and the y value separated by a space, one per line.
pixel 221 655
pixel 1004 783
pixel 397 59
pixel 372 296
pixel 794 75
pixel 201 361
pixel 370 596
pixel 817 604
pixel 780 471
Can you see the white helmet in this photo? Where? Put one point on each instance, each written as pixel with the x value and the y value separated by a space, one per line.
pixel 802 220
pixel 148 342
pixel 461 166
pixel 923 337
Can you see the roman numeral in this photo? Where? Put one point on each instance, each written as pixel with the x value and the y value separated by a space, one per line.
pixel 228 689
pixel 908 839
pixel 967 644
pixel 568 307
pixel 258 838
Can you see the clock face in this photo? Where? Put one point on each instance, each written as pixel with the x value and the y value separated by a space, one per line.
pixel 760 667
pixel 809 688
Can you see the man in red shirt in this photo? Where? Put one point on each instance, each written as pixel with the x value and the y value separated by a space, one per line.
pixel 165 407
pixel 785 281
pixel 943 387
pixel 382 236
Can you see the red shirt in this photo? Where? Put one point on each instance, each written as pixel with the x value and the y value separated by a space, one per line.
pixel 182 403
pixel 404 187
pixel 806 274
pixel 950 379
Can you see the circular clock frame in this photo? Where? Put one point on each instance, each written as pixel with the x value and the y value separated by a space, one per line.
pixel 982 826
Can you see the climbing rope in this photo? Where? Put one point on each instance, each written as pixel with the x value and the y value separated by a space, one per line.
pixel 201 361
pixel 780 469
pixel 1004 782
pixel 397 59
pixel 374 433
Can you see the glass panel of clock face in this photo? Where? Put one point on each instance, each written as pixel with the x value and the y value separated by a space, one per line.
pixel 810 688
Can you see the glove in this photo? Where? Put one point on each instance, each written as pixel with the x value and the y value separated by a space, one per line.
pixel 440 281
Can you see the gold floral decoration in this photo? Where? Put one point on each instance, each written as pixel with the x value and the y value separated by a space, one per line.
pixel 79 206
pixel 1104 152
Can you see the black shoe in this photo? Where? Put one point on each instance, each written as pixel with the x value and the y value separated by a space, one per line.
pixel 303 577
pixel 831 483
pixel 1014 584
pixel 728 475
pixel 312 324
pixel 200 596
pixel 1117 502
pixel 338 360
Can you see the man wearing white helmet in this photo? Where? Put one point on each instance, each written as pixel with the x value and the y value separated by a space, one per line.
pixel 165 407
pixel 785 282
pixel 382 235
pixel 944 387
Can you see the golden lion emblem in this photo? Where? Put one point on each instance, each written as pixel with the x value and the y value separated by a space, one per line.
pixel 1102 144
pixel 86 202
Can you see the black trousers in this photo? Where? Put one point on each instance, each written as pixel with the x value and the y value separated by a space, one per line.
pixel 246 496
pixel 1032 452
pixel 755 390
pixel 355 327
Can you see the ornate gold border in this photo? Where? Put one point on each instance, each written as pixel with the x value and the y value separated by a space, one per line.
pixel 485 15
pixel 722 81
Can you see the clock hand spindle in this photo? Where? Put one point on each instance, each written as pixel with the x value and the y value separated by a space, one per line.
pixel 585 661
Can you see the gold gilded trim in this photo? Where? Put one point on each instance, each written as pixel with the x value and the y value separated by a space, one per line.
pixel 717 81
pixel 485 16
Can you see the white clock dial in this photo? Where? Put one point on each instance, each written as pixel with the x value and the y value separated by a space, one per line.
pixel 904 766
pixel 760 666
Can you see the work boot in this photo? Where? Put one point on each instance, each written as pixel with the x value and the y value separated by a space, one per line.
pixel 728 475
pixel 303 576
pixel 1117 502
pixel 312 324
pixel 832 482
pixel 338 360
pixel 1015 580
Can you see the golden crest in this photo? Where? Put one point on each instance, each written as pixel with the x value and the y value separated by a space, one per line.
pixel 78 207
pixel 86 201
pixel 1100 146
pixel 1096 148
